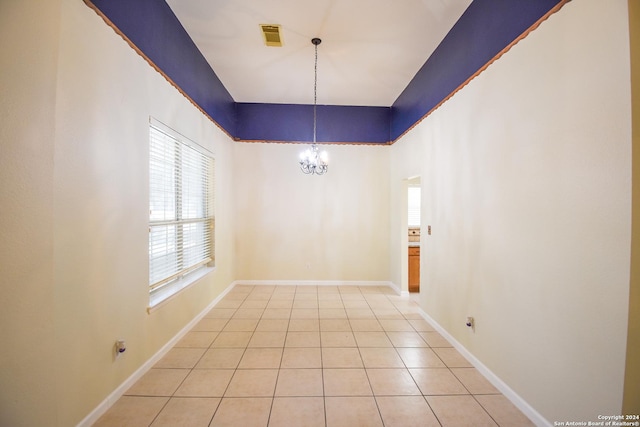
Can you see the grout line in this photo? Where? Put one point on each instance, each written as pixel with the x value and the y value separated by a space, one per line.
pixel 368 298
pixel 207 349
pixel 275 387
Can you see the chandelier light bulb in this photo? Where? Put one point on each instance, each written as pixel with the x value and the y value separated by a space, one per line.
pixel 324 157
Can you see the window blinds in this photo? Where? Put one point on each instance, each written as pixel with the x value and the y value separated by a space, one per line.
pixel 180 207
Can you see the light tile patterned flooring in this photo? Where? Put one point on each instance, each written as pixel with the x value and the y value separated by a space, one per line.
pixel 313 356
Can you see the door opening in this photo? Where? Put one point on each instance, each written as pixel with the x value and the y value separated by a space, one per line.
pixel 413 235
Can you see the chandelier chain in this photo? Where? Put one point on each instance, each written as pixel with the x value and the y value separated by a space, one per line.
pixel 312 161
pixel 315 92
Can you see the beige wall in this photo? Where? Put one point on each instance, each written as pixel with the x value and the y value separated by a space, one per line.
pixel 75 152
pixel 28 42
pixel 526 177
pixel 291 226
pixel 632 372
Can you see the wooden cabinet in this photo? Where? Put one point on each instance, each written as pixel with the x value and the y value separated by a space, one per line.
pixel 414 269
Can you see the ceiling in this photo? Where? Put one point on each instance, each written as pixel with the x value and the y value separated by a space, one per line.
pixel 370 50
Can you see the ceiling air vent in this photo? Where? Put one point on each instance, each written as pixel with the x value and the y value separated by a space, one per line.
pixel 271 35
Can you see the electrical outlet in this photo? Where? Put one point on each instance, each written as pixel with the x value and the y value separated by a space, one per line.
pixel 471 323
pixel 120 347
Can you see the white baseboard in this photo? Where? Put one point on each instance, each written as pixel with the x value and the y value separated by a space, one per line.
pixel 316 283
pixel 122 388
pixel 518 401
pixel 398 291
pixel 321 283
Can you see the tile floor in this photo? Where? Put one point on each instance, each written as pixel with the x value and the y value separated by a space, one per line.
pixel 313 356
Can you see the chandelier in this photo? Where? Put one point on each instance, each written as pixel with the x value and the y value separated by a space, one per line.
pixel 312 161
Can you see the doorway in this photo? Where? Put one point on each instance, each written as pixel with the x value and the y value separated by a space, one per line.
pixel 412 237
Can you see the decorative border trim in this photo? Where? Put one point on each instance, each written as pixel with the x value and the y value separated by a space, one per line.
pixel 112 398
pixel 528 31
pixel 293 122
pixel 382 138
pixel 268 141
pixel 104 17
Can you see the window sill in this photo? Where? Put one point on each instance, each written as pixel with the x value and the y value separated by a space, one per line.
pixel 158 299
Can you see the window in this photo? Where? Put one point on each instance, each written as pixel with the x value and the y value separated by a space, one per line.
pixel 181 219
pixel 414 206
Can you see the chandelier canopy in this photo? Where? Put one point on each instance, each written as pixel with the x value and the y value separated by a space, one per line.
pixel 312 161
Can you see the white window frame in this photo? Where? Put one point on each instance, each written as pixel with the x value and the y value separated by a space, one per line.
pixel 181 212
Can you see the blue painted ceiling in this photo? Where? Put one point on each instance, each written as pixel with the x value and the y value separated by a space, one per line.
pixel 482 33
